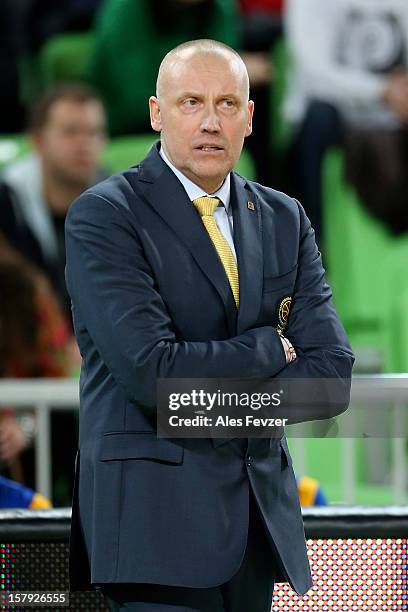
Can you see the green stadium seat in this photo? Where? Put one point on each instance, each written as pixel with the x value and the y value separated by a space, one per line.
pixel 125 151
pixel 356 245
pixel 399 339
pixel 395 287
pixel 64 57
pixel 245 165
pixel 362 257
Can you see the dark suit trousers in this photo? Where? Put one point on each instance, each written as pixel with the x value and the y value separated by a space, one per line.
pixel 249 590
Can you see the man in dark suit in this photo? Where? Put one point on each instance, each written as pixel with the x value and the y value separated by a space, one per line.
pixel 178 268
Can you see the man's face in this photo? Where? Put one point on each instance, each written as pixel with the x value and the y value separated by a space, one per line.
pixel 71 141
pixel 203 115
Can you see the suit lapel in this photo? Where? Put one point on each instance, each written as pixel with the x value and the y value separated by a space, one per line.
pixel 164 192
pixel 248 246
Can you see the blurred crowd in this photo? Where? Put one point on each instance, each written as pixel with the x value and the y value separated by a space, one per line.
pixel 75 72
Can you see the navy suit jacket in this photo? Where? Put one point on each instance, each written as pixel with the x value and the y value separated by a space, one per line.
pixel 150 299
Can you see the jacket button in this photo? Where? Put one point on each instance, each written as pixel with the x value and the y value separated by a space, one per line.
pixel 249 461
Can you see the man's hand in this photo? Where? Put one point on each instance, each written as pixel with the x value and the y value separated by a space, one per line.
pixel 12 438
pixel 395 94
pixel 290 352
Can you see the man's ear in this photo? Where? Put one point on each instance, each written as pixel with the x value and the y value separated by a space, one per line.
pixel 155 116
pixel 248 130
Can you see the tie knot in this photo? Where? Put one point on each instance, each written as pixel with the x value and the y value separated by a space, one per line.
pixel 206 205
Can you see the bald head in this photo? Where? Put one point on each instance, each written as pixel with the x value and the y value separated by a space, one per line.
pixel 202 110
pixel 174 61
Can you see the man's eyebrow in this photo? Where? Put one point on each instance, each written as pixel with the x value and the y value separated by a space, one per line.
pixel 196 94
pixel 190 94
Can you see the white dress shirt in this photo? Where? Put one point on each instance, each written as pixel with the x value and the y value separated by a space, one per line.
pixel 223 213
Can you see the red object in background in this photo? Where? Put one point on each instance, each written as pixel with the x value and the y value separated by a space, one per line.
pixel 265 6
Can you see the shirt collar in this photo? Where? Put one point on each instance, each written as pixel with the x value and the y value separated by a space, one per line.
pixel 194 191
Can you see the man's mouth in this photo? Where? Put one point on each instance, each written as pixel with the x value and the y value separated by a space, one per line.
pixel 209 148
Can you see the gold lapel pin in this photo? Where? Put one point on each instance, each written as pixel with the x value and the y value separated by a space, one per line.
pixel 251 205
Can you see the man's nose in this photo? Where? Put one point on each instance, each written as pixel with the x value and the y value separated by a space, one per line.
pixel 210 121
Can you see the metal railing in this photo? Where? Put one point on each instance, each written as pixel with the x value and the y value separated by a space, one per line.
pixel 41 395
pixel 46 395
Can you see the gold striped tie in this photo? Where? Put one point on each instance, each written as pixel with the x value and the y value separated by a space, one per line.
pixel 206 207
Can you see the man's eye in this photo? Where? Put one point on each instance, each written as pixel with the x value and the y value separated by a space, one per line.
pixel 228 103
pixel 190 102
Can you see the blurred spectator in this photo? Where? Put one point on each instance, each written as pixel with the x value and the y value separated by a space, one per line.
pixel 310 492
pixel 46 18
pixel 350 86
pixel 67 131
pixel 35 336
pixel 35 341
pixel 15 495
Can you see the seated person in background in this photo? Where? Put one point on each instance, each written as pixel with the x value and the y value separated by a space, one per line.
pixel 310 492
pixel 67 132
pixel 36 341
pixel 350 76
pixel 15 495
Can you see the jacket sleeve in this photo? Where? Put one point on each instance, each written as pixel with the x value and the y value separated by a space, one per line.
pixel 113 289
pixel 316 332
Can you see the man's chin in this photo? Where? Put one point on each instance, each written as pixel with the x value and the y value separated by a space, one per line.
pixel 212 170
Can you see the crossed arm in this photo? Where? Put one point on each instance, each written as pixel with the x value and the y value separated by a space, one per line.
pixel 114 294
